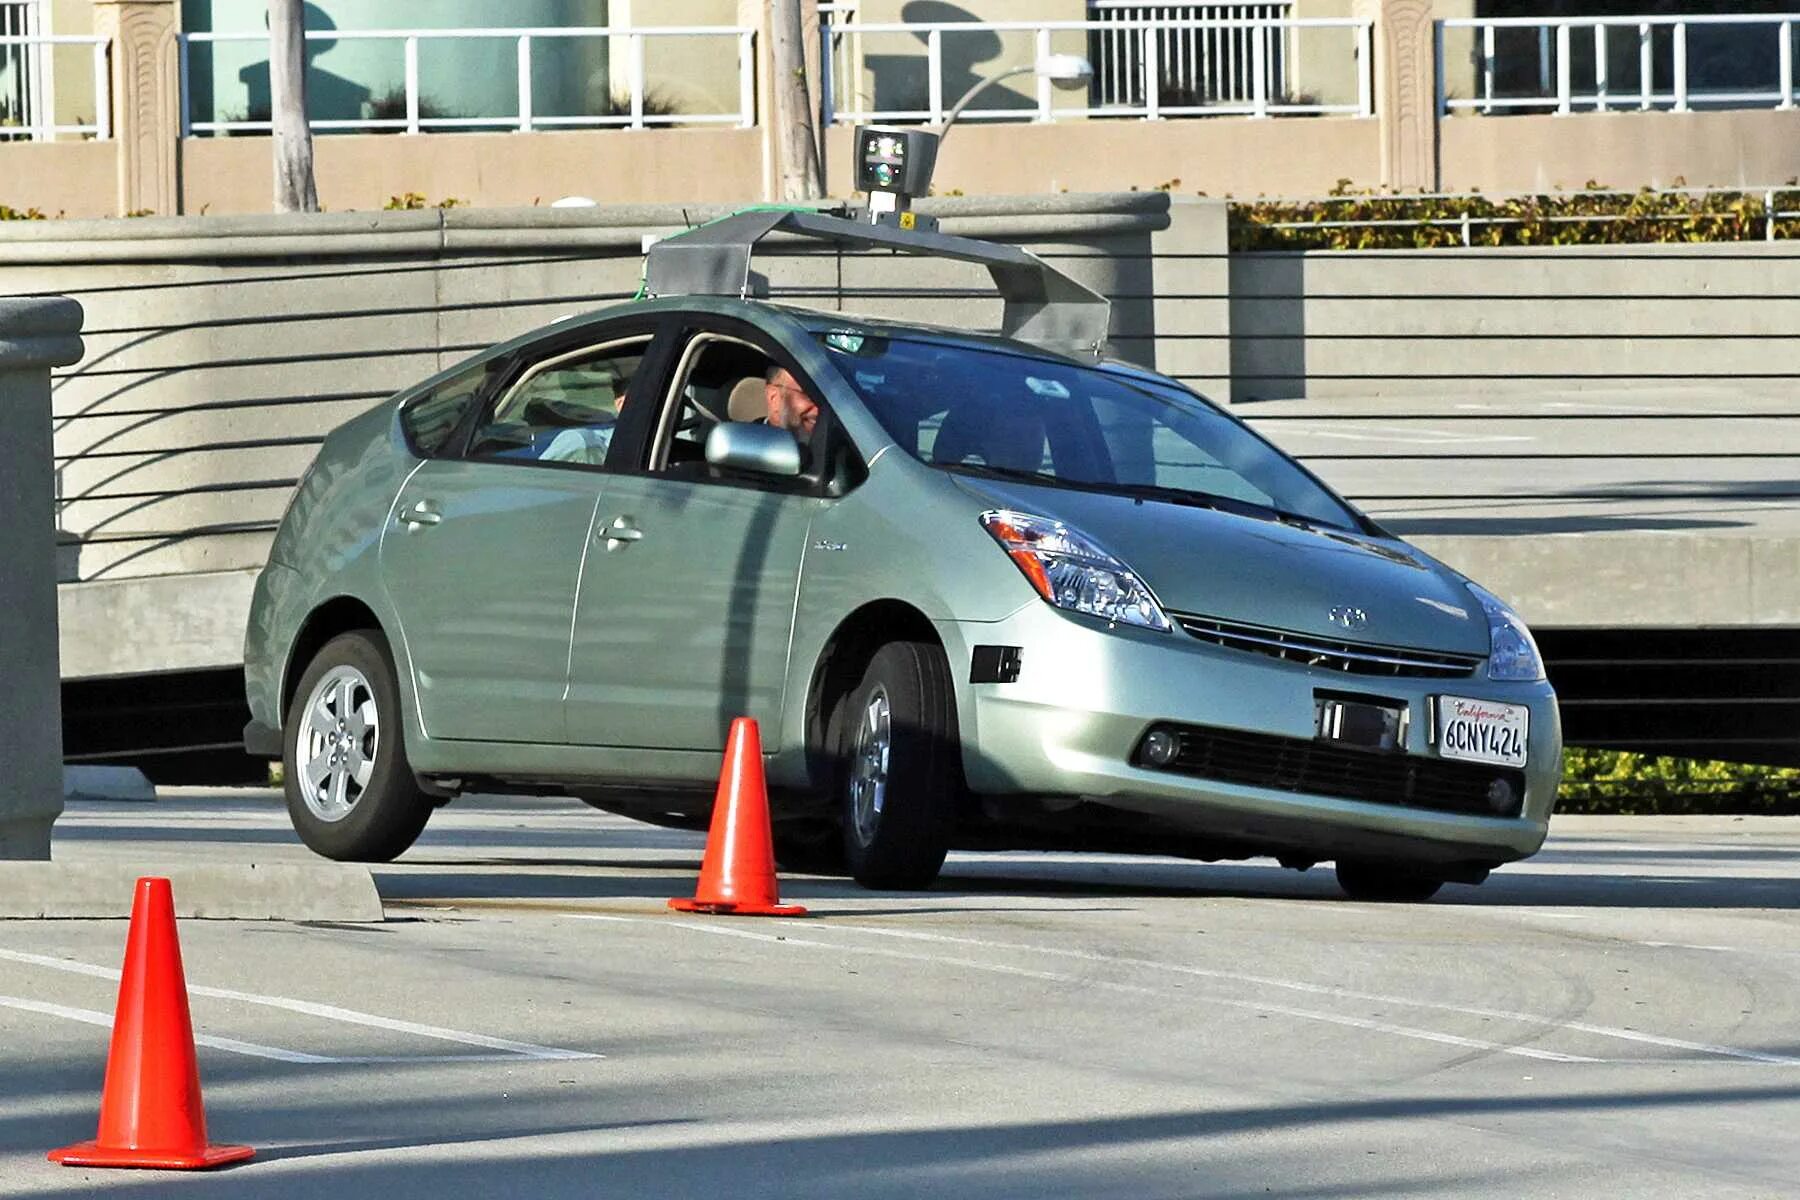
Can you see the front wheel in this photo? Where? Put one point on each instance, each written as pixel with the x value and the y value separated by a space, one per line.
pixel 351 793
pixel 1386 882
pixel 902 773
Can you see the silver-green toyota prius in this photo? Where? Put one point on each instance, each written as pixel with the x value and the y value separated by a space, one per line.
pixel 978 591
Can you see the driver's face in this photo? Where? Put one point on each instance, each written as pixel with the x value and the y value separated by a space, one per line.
pixel 789 406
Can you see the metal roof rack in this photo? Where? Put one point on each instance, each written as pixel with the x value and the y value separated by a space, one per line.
pixel 1043 306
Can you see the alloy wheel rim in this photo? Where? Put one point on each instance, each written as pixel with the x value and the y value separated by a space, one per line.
pixel 339 739
pixel 869 765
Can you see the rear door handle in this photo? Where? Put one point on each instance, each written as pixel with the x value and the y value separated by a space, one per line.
pixel 422 513
pixel 618 531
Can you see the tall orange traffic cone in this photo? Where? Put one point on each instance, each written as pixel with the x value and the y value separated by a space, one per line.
pixel 150 1109
pixel 737 876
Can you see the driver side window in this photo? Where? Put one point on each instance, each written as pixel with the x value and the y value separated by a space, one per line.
pixel 564 409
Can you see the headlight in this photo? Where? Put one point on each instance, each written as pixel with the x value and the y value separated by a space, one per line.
pixel 1072 572
pixel 1513 655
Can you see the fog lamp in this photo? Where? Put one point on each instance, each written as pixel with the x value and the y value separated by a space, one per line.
pixel 1160 748
pixel 1501 796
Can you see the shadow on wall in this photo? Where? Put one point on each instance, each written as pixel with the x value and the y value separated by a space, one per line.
pixel 902 81
pixel 328 97
pixel 1268 327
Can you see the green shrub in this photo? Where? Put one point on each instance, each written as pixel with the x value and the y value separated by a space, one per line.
pixel 1619 781
pixel 1586 218
pixel 8 213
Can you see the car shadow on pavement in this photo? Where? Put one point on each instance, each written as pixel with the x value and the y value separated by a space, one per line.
pixel 1265 1149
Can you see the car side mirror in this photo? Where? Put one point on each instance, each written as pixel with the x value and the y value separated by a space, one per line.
pixel 758 449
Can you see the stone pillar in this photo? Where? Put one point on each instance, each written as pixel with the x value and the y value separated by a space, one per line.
pixel 35 335
pixel 146 101
pixel 1405 92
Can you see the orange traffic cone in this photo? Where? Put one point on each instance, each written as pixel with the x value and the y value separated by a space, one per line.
pixel 150 1109
pixel 737 876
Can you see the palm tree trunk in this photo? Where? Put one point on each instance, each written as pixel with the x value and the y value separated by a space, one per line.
pixel 295 190
pixel 802 177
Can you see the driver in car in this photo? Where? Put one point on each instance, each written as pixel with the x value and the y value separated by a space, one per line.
pixel 789 406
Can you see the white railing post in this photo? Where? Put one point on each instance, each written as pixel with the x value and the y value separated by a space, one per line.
pixel 525 96
pixel 31 57
pixel 1152 76
pixel 103 96
pixel 1787 65
pixel 1769 215
pixel 1487 67
pixel 1681 78
pixel 1543 59
pixel 934 74
pixel 1646 69
pixel 1564 36
pixel 637 81
pixel 1259 70
pixel 1043 81
pixel 1365 69
pixel 747 83
pixel 184 87
pixel 412 85
pixel 1600 77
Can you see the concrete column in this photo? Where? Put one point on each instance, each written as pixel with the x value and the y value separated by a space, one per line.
pixel 1405 92
pixel 35 335
pixel 146 101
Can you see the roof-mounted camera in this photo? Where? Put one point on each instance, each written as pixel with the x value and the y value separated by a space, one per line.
pixel 893 166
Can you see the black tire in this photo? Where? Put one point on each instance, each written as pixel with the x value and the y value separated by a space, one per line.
pixel 388 811
pixel 1386 883
pixel 810 847
pixel 901 844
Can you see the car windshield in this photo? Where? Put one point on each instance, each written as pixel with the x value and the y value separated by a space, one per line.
pixel 999 414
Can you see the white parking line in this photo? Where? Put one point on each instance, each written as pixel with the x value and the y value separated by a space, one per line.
pixel 328 1012
pixel 1724 949
pixel 1318 989
pixel 88 1016
pixel 1427 1035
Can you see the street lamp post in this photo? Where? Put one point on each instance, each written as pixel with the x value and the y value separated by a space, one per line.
pixel 1066 71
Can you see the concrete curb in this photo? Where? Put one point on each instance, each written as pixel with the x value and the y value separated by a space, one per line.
pixel 107 783
pixel 252 892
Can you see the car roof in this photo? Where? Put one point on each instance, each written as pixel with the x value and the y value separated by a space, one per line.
pixel 812 321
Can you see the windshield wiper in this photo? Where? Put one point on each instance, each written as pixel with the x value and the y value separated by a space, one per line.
pixel 1150 491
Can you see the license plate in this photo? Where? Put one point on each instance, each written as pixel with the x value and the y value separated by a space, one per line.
pixel 1484 731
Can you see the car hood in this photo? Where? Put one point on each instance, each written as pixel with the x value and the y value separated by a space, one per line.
pixel 1266 572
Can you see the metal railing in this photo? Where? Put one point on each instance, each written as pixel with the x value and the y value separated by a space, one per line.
pixel 1258 86
pixel 1468 222
pixel 28 87
pixel 637 114
pixel 1624 63
pixel 1210 61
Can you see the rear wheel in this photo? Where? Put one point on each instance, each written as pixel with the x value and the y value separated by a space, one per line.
pixel 1386 882
pixel 902 771
pixel 350 790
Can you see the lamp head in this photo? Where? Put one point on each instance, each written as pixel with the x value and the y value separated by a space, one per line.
pixel 1066 71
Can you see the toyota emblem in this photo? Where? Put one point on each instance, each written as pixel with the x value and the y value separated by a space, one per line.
pixel 1349 618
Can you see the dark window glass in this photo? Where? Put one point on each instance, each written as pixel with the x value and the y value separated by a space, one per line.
pixel 563 410
pixel 430 420
pixel 1041 420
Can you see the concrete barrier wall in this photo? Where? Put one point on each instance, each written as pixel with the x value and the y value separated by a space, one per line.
pixel 220 351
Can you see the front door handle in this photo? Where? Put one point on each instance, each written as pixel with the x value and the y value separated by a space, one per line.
pixel 422 513
pixel 618 531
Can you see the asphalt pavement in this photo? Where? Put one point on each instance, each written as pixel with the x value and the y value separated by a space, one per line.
pixel 1617 1017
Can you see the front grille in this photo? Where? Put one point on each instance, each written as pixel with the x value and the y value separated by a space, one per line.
pixel 1354 658
pixel 1323 768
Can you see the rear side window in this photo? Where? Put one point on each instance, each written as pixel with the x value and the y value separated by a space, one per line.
pixel 431 420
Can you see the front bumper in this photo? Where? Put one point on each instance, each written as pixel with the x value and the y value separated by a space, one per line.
pixel 1085 695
